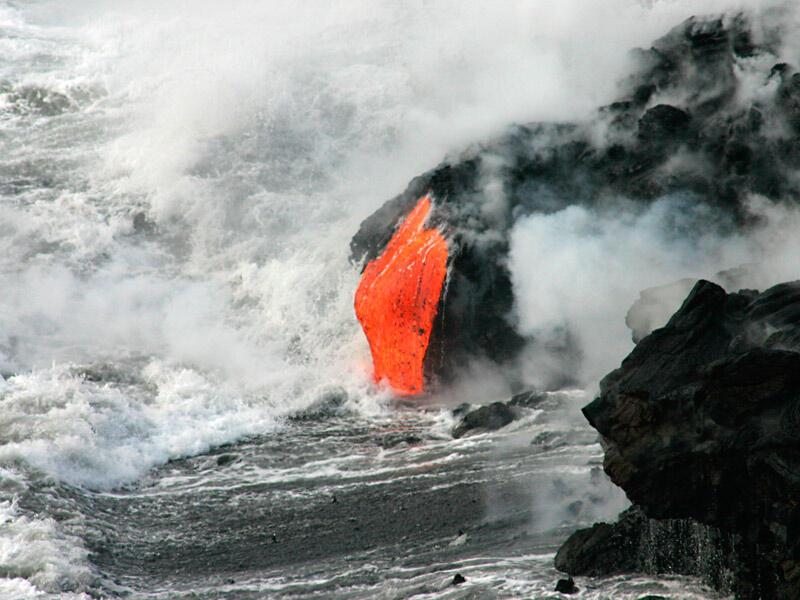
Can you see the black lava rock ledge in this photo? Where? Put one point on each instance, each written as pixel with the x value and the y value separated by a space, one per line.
pixel 684 126
pixel 701 422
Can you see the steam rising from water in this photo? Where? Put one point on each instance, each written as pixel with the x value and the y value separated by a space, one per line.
pixel 579 271
pixel 179 182
pixel 185 194
pixel 576 272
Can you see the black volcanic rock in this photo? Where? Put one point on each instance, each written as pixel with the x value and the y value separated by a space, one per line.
pixel 603 549
pixel 636 543
pixel 654 307
pixel 458 579
pixel 566 586
pixel 486 418
pixel 663 124
pixel 497 415
pixel 683 127
pixel 702 421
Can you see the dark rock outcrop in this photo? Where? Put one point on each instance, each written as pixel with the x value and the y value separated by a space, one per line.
pixel 566 586
pixel 702 421
pixel 638 544
pixel 486 418
pixel 684 127
pixel 458 579
pixel 656 305
pixel 496 415
pixel 604 549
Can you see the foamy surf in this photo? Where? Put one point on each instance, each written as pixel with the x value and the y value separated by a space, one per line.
pixel 185 388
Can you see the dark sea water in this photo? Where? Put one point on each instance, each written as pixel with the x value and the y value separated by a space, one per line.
pixel 186 407
pixel 344 506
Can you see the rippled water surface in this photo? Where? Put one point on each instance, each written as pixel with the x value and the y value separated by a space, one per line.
pixel 186 407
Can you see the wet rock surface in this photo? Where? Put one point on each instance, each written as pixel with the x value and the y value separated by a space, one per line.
pixel 683 127
pixel 486 418
pixel 603 549
pixel 496 415
pixel 702 421
pixel 638 544
pixel 566 586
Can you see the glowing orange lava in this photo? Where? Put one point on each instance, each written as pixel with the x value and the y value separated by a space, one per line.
pixel 398 297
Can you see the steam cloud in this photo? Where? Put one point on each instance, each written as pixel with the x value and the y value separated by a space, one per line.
pixel 250 140
pixel 255 138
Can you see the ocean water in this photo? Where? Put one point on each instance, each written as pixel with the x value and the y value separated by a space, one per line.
pixel 186 403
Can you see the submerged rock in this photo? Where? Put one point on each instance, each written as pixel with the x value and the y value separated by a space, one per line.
pixel 392 440
pixel 225 459
pixel 683 127
pixel 702 421
pixel 142 224
pixel 37 100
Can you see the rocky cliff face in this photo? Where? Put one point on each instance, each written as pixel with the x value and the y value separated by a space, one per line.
pixel 687 122
pixel 702 421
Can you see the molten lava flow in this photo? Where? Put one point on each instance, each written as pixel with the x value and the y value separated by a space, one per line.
pixel 398 297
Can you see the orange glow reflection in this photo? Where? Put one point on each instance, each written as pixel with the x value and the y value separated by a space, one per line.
pixel 397 300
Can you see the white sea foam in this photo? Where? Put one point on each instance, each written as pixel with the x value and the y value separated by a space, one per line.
pixel 102 435
pixel 37 559
pixel 254 137
pixel 250 138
